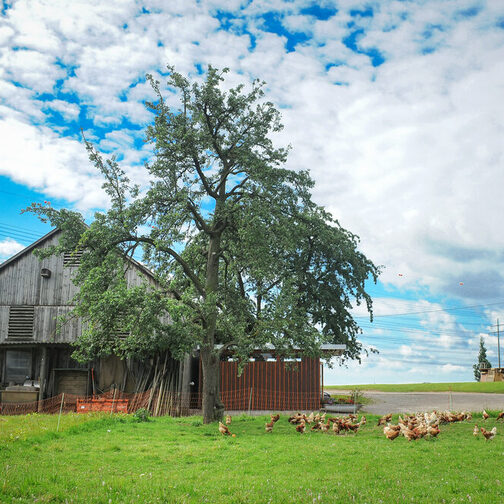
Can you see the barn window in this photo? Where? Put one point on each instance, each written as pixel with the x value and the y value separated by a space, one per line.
pixel 20 323
pixel 18 366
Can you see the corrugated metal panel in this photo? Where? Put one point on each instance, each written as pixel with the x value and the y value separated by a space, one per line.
pixel 271 385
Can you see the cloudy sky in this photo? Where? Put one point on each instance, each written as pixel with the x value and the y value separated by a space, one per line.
pixel 396 107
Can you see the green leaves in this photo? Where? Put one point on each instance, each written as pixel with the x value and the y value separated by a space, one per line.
pixel 241 255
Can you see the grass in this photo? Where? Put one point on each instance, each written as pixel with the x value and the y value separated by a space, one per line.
pixel 490 387
pixel 111 459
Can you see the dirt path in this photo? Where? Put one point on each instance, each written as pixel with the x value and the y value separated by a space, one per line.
pixel 410 402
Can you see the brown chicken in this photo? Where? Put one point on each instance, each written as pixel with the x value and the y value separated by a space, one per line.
pixel 485 415
pixel 336 427
pixel 353 427
pixel 269 426
pixel 500 416
pixel 409 434
pixel 301 427
pixel 224 430
pixel 489 434
pixel 385 419
pixel 391 432
pixel 228 420
pixel 476 430
pixel 275 418
pixel 324 427
pixel 296 419
pixel 433 430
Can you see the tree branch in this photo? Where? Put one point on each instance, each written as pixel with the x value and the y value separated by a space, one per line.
pixel 203 178
pixel 187 270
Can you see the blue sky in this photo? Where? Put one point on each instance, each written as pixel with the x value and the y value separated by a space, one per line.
pixel 394 106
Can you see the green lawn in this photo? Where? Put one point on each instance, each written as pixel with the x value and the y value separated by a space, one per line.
pixel 490 388
pixel 114 460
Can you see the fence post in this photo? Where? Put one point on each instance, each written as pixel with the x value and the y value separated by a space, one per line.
pixel 113 401
pixel 61 409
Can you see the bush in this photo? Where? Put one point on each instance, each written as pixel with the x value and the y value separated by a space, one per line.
pixel 141 415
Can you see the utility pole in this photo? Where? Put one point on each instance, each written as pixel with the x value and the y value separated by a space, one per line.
pixel 498 341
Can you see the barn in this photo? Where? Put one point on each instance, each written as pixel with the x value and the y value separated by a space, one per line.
pixel 35 355
pixel 36 361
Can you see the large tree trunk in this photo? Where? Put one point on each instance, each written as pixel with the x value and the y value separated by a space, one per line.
pixel 213 409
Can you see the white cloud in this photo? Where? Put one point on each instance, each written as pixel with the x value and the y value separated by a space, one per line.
pixel 58 166
pixel 8 248
pixel 450 368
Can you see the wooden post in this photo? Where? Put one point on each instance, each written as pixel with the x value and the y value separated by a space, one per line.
pixel 498 343
pixel 113 400
pixel 61 409
pixel 42 377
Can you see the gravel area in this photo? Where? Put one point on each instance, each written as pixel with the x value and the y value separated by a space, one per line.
pixel 411 402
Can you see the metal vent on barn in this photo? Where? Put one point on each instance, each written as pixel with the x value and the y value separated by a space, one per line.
pixel 20 323
pixel 72 258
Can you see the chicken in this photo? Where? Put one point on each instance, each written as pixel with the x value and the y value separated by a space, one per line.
pixel 385 419
pixel 324 427
pixel 353 427
pixel 275 418
pixel 420 431
pixel 485 415
pixel 224 430
pixel 489 434
pixel 301 427
pixel 295 419
pixel 322 417
pixel 409 434
pixel 475 430
pixel 269 426
pixel 317 418
pixel 310 418
pixel 433 430
pixel 363 420
pixel 316 426
pixel 228 420
pixel 336 427
pixel 391 432
pixel 500 416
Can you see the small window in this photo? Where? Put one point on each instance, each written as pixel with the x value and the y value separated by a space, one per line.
pixel 18 366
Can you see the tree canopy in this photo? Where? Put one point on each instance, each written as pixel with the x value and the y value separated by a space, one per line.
pixel 241 253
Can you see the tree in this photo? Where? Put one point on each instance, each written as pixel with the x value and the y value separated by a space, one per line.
pixel 483 362
pixel 243 255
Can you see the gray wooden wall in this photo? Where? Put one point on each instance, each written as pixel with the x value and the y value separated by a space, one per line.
pixel 22 284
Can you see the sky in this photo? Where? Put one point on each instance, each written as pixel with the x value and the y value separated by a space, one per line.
pixel 396 108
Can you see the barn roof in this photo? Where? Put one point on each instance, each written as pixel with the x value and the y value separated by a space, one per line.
pixel 326 348
pixel 48 236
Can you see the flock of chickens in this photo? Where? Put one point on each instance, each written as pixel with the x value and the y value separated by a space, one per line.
pixel 412 427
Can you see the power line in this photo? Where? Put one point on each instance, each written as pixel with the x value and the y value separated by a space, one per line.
pixel 433 311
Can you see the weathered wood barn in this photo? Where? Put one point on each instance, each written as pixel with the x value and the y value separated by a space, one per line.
pixel 36 362
pixel 35 355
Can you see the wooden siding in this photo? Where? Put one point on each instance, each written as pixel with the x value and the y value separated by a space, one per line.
pixel 271 385
pixel 21 284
